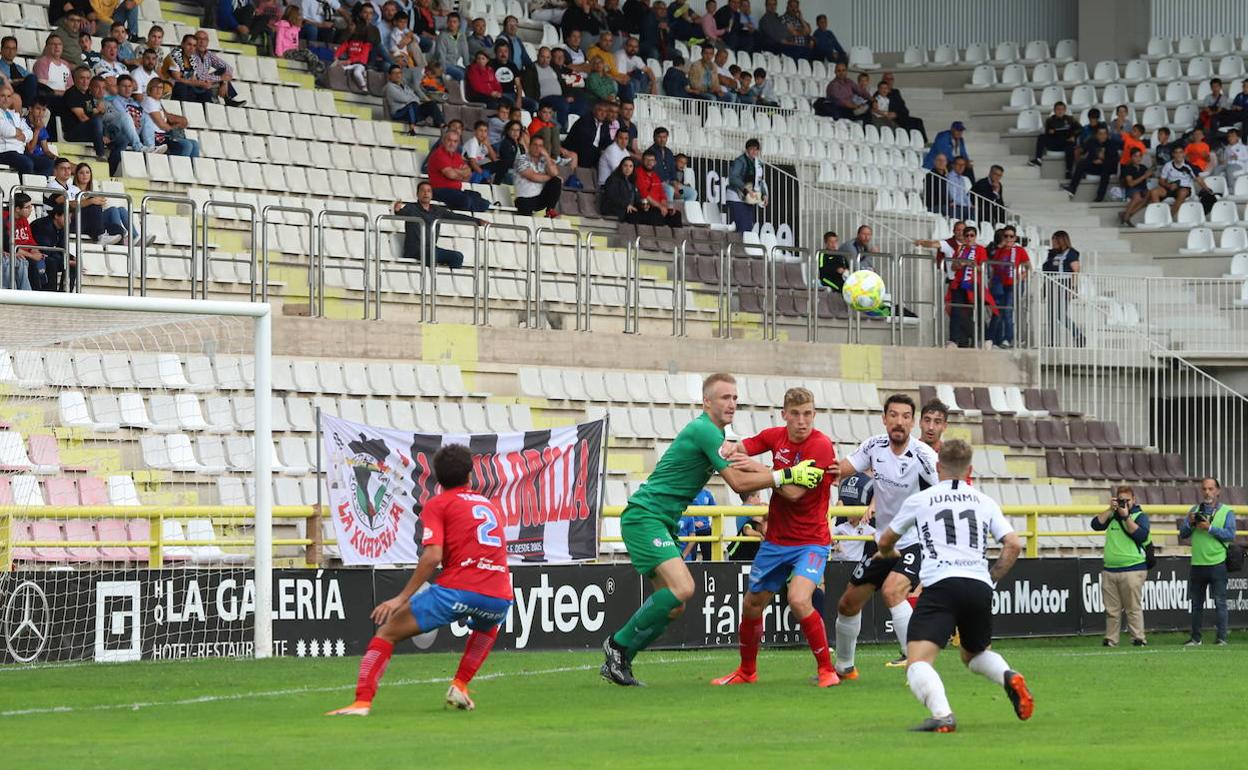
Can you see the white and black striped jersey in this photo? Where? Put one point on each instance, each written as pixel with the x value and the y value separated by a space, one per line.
pixel 953 522
pixel 897 476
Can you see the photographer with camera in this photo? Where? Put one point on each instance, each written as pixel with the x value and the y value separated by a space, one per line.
pixel 1127 552
pixel 1211 526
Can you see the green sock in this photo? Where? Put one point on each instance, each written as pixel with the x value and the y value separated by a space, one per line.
pixel 647 623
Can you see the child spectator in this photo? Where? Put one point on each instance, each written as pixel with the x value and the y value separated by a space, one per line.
pixel 1198 151
pixel 29 259
pixel 480 154
pixel 400 39
pixel 499 122
pixel 432 83
pixel 827 47
pixel 354 54
pixel 288 45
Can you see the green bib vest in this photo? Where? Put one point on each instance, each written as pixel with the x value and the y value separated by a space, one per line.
pixel 1120 550
pixel 1207 550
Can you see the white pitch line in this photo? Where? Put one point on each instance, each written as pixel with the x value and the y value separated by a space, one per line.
pixel 305 690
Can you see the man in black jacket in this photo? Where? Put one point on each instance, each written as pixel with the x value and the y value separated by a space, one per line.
pixel 897 105
pixel 589 136
pixel 1100 157
pixel 428 212
pixel 49 233
pixel 991 196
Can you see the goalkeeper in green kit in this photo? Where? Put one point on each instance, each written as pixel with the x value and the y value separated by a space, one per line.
pixel 650 520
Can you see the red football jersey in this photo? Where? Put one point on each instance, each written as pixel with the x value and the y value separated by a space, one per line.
pixel 474 552
pixel 804 522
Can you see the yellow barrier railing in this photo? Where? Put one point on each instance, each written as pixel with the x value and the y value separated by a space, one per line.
pixel 717 513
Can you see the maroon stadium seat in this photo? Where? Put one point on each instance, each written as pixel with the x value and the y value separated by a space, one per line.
pixel 1109 466
pixel 1027 433
pixel 992 431
pixel 1126 466
pixel 1157 467
pixel 1056 465
pixel 743 274
pixel 1114 436
pixel 982 402
pixel 1142 468
pixel 832 305
pixel 1009 433
pixel 1052 433
pixel 1092 465
pixel 1050 403
pixel 1174 466
pixel 750 301
pixel 965 398
pixel 1074 464
pixel 927 393
pixel 1173 495
pixel 1079 434
pixel 1033 400
pixel 1096 434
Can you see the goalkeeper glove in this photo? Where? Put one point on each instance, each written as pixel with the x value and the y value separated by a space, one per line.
pixel 804 474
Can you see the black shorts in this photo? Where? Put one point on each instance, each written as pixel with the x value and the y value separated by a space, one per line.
pixel 962 603
pixel 874 571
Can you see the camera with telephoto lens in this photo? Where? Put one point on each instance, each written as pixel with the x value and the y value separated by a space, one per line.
pixel 1124 503
pixel 1199 515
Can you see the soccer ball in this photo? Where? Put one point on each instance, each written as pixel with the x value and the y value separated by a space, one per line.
pixel 864 291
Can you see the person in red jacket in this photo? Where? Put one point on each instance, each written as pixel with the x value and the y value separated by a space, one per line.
pixel 483 85
pixel 1010 265
pixel 965 290
pixel 650 187
pixel 354 54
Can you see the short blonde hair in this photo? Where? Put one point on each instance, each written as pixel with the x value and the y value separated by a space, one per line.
pixel 709 382
pixel 955 457
pixel 797 397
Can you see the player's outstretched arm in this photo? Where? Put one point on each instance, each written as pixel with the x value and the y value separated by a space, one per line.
pixel 748 479
pixel 428 564
pixel 1010 549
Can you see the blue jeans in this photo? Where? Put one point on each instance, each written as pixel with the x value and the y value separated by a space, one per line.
pixel 461 200
pixel 413 113
pixel 640 82
pixel 1214 579
pixel 129 17
pixel 186 147
pixel 122 131
pixel 23 276
pixel 687 193
pixel 1001 326
pixel 453 72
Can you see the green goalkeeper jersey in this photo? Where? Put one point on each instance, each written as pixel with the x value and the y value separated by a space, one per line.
pixel 682 472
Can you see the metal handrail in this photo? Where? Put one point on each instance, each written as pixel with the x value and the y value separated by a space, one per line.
pixel 264 245
pixel 428 282
pixel 316 278
pixel 632 287
pixel 13 191
pixel 533 278
pixel 204 252
pixel 805 256
pixel 724 315
pixel 585 274
pixel 179 200
pixel 481 266
pixel 680 291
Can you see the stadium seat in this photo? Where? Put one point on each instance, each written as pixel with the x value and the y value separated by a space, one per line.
pixel 985 76
pixel 1223 214
pixel 1157 215
pixel 1159 48
pixel 1042 75
pixel 913 56
pixel 1191 214
pixel 1029 121
pixel 1234 240
pixel 1021 98
pixel 1105 73
pixel 1199 241
pixel 1074 72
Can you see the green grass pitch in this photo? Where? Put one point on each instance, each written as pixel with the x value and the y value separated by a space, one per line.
pixel 1163 706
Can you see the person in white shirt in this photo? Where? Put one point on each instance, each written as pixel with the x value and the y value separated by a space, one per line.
pixel 851 550
pixel 954 521
pixel 900 464
pixel 109 66
pixel 628 62
pixel 1234 159
pixel 1178 180
pixel 537 181
pixel 146 70
pixel 611 156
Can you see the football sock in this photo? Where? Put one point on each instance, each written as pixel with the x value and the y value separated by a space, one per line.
pixel 926 685
pixel 989 665
pixel 817 599
pixel 847 628
pixel 817 637
pixel 479 645
pixel 901 622
pixel 751 635
pixel 647 623
pixel 372 666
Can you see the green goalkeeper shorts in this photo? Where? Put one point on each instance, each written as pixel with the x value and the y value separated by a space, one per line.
pixel 649 542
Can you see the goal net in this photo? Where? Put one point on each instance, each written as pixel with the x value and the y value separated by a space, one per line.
pixel 134 505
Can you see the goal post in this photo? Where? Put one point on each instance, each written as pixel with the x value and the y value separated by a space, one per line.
pixel 65 325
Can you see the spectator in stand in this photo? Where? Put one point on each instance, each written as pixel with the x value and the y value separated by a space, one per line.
pixel 686 25
pixel 108 12
pixel 451 49
pixel 951 144
pixel 409 105
pixel 25 84
pixel 841 92
pixel 881 113
pixel 288 43
pixel 156 41
pixel 511 34
pixel 1010 265
pixel 322 19
pixel 433 84
pixel 179 68
pixel 676 81
pixel 1177 179
pixel 623 114
pixel 398 37
pixel 424 25
pixel 82 116
pixel 641 78
pixel 799 43
pixel 747 187
pixel 1234 159
pixel 589 136
pixel 19 251
pixel 511 146
pixel 427 213
pixel 573 82
pixel 601 86
pixel 936 186
pixel 946 250
pixel 89 57
pixel 1197 151
pixel 580 17
pixel 578 59
pixel 665 167
pixel 109 66
pixel 727 80
pixel 966 290
pixel 542 80
pixel 1100 157
pixel 764 93
pixel 544 126
pixel 482 83
pixel 1132 139
pixel 704 77
pixel 650 188
pixel 834 262
pixel 146 71
pixel 53 72
pixel 959 191
pixel 18 139
pixel 1213 108
pixel 611 156
pixel 1061 133
pixel 106 225
pixel 652 30
pixel 447 173
pixel 70 32
pixel 1211 526
pixel 170 129
pixel 1163 148
pixel 604 51
pixel 548 11
pixel 478 40
pixel 1063 262
pixel 688 182
pixel 354 55
pixel 127 52
pixel 614 16
pixel 49 232
pixel 59 9
pixel 537 180
pixel 38 117
pixel 1120 125
pixel 711 31
pixel 860 247
pixel 124 125
pixel 990 196
pixel 480 154
pixel 620 199
pixel 1134 177
pixel 1239 110
pixel 498 122
pixel 826 46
